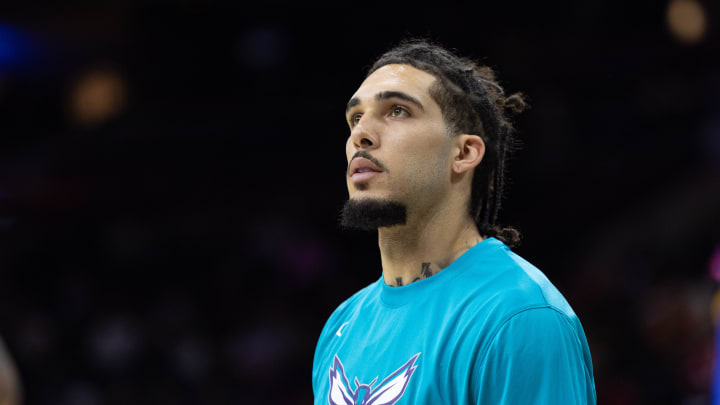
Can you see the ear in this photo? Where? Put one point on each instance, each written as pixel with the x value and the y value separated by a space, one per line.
pixel 469 152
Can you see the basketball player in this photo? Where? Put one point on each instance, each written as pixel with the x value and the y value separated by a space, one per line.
pixel 456 317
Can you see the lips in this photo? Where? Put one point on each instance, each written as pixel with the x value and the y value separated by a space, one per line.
pixel 362 169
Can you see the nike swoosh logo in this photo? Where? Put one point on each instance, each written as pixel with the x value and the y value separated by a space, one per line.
pixel 339 332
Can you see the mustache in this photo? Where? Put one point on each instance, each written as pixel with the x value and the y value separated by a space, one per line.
pixel 363 154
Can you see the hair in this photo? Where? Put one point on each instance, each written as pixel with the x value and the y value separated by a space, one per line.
pixel 472 102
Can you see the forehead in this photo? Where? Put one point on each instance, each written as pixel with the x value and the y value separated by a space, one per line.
pixel 396 77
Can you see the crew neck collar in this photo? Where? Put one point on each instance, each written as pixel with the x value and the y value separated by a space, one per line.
pixel 399 296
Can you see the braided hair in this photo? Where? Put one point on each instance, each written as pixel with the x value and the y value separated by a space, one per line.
pixel 472 102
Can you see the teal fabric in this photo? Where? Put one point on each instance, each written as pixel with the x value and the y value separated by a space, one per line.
pixel 488 329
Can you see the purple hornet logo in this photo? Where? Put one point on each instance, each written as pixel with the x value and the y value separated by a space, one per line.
pixel 388 392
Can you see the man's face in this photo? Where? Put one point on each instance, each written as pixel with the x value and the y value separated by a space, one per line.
pixel 397 125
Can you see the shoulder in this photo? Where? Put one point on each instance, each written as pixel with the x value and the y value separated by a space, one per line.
pixel 499 277
pixel 507 297
pixel 524 325
pixel 537 331
pixel 351 304
pixel 343 312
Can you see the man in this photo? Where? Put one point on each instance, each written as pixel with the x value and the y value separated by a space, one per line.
pixel 457 317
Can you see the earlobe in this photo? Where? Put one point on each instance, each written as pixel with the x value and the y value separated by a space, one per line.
pixel 470 152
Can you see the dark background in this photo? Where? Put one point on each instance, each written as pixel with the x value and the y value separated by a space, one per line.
pixel 171 175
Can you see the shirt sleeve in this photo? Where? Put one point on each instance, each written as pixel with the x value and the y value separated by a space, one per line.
pixel 536 357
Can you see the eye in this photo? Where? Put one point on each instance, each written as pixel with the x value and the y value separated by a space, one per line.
pixel 354 119
pixel 399 111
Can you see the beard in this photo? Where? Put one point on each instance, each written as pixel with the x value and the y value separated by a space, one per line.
pixel 371 214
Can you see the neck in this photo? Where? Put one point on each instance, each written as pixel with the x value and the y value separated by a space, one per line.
pixel 425 246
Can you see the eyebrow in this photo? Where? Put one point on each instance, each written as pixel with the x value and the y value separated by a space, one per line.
pixel 386 95
pixel 352 103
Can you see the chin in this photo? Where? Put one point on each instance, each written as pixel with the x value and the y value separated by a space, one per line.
pixel 370 213
pixel 358 195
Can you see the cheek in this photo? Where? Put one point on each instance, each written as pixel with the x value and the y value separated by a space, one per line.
pixel 348 149
pixel 426 165
pixel 419 149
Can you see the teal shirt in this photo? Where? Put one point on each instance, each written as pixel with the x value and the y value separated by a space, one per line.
pixel 488 329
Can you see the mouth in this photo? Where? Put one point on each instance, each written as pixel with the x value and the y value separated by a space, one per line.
pixel 362 169
pixel 363 175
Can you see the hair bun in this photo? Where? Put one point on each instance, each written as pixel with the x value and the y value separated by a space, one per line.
pixel 515 104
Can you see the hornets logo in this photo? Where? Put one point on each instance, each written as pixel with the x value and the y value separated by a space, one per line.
pixel 388 392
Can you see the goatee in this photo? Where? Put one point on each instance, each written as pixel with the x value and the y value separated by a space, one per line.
pixel 371 214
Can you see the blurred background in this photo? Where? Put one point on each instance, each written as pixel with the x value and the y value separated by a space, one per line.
pixel 171 177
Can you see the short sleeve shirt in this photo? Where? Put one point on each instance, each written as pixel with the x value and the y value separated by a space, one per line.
pixel 488 329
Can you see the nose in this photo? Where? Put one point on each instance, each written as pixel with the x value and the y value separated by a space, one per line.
pixel 364 136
